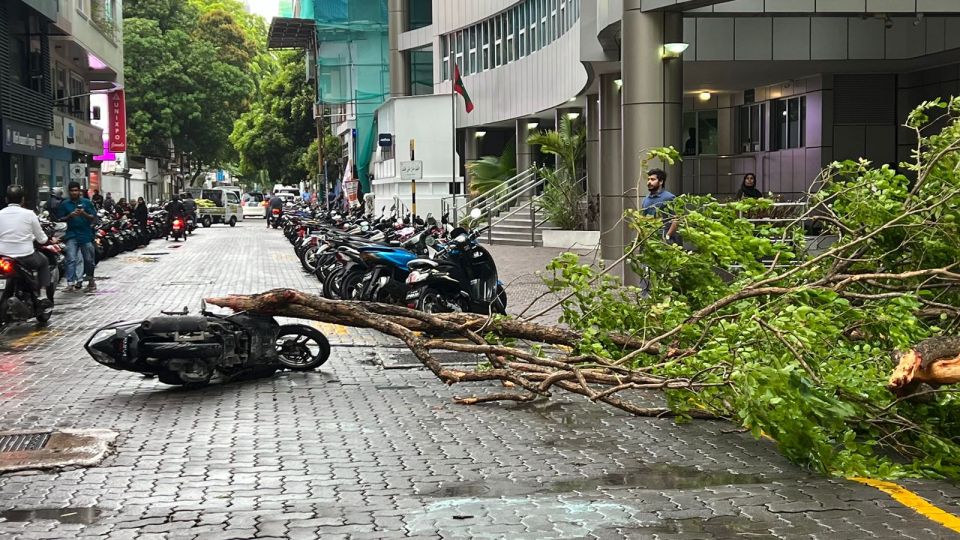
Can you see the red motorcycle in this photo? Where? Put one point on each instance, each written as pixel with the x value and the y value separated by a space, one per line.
pixel 177 229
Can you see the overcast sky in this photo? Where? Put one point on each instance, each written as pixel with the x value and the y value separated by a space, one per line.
pixel 265 8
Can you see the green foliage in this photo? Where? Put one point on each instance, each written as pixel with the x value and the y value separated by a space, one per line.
pixel 190 70
pixel 798 345
pixel 562 198
pixel 278 133
pixel 490 172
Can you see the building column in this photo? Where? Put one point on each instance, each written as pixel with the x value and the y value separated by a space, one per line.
pixel 524 153
pixel 652 99
pixel 399 62
pixel 593 146
pixel 611 169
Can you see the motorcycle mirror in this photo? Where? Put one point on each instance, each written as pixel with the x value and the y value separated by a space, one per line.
pixel 430 241
pixel 476 213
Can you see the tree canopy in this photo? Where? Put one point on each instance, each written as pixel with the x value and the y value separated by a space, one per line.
pixel 191 71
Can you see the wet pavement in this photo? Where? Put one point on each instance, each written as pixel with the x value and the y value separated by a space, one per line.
pixel 372 447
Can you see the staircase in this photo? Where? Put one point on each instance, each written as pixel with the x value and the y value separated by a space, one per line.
pixel 515 229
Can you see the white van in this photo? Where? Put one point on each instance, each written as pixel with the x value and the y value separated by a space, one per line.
pixel 287 193
pixel 227 209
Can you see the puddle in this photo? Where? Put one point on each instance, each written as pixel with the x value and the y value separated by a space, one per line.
pixel 63 515
pixel 654 476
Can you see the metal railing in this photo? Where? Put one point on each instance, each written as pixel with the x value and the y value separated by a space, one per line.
pixel 531 206
pixel 494 200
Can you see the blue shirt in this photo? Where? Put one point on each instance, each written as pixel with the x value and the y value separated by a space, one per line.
pixel 79 228
pixel 653 203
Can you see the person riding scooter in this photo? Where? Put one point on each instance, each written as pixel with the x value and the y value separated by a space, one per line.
pixel 190 210
pixel 174 210
pixel 19 229
pixel 275 209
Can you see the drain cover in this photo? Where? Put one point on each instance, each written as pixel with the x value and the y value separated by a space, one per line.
pixel 23 442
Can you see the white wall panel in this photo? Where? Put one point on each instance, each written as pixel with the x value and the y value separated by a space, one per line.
pixel 891 6
pixel 791 38
pixel 828 38
pixel 866 38
pixel 753 38
pixel 740 6
pixel 714 38
pixel 789 6
pixel 840 6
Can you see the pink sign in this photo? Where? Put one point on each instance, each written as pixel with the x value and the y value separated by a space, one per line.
pixel 118 121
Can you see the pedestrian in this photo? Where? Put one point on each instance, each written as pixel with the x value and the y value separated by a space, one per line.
pixel 80 215
pixel 109 203
pixel 19 229
pixel 97 199
pixel 748 190
pixel 140 213
pixel 655 204
pixel 56 197
pixel 122 207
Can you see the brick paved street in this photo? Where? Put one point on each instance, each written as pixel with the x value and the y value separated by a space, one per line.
pixel 359 451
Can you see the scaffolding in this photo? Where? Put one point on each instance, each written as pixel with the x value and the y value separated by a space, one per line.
pixel 352 63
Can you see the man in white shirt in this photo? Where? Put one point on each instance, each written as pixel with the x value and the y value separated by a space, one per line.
pixel 19 229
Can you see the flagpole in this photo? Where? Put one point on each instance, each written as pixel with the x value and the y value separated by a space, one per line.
pixel 453 116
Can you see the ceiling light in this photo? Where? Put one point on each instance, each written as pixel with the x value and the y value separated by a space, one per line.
pixel 674 50
pixel 618 83
pixel 571 100
pixel 705 96
pixel 480 134
pixel 573 115
pixel 532 125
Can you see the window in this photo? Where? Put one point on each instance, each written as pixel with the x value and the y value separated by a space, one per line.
pixel 521 14
pixel 458 59
pixel 445 66
pixel 83 6
pixel 498 41
pixel 472 61
pixel 788 123
pixel 553 19
pixel 700 133
pixel 60 83
pixel 532 16
pixel 563 17
pixel 78 101
pixel 544 33
pixel 511 53
pixel 421 71
pixel 485 49
pixel 419 14
pixel 753 128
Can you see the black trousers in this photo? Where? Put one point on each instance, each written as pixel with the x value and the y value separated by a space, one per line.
pixel 39 264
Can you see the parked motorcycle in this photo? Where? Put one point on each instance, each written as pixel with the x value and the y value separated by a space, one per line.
pixel 181 349
pixel 462 277
pixel 19 301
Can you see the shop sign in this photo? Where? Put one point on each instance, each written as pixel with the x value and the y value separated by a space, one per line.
pixel 118 121
pixel 19 138
pixel 56 136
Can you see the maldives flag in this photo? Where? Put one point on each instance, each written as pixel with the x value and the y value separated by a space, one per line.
pixel 460 89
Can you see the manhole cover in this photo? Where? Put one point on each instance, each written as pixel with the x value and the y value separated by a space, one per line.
pixel 46 450
pixel 23 442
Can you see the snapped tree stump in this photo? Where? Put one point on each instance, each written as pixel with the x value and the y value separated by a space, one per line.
pixel 934 361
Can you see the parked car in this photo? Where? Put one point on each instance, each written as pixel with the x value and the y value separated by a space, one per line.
pixel 253 204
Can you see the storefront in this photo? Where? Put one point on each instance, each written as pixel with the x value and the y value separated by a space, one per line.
pixel 23 144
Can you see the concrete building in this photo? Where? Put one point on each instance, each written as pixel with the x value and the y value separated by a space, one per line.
pixel 53 55
pixel 775 87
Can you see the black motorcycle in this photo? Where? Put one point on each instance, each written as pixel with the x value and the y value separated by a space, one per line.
pixel 181 349
pixel 462 277
pixel 19 302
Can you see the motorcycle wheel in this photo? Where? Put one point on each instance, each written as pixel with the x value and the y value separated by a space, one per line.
pixel 331 289
pixel 173 378
pixel 348 285
pixel 301 347
pixel 433 301
pixel 308 258
pixel 44 317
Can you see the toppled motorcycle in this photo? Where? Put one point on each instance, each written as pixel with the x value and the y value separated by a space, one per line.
pixel 195 350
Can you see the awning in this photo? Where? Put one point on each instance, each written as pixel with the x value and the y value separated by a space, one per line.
pixel 289 33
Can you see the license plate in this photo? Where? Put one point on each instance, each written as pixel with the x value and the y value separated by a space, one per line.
pixel 413 294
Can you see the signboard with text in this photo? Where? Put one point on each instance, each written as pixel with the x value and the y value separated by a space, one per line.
pixel 20 138
pixel 411 170
pixel 118 121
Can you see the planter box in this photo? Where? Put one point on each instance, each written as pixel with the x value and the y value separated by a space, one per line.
pixel 571 239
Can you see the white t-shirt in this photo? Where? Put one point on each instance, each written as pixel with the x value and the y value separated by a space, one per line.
pixel 19 228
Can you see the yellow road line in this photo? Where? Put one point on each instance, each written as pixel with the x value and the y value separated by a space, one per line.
pixel 327 328
pixel 914 502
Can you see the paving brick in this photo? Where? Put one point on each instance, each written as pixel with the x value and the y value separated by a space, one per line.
pixel 329 454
